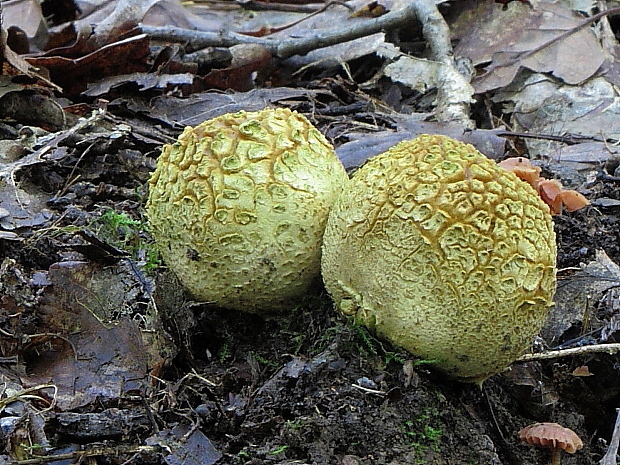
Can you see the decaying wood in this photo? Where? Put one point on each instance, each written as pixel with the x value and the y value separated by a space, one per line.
pixel 110 423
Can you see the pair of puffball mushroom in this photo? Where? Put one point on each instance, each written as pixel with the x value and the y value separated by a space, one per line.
pixel 431 245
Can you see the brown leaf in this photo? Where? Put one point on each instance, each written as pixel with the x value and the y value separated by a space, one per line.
pixel 144 81
pixel 247 58
pixel 13 65
pixel 526 41
pixel 28 17
pixel 74 350
pixel 73 74
pixel 582 370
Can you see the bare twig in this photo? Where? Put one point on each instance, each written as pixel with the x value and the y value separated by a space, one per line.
pixel 305 18
pixel 285 48
pixel 8 170
pixel 595 348
pixel 257 5
pixel 568 139
pixel 610 457
pixel 454 93
pixel 26 394
pixel 368 390
pixel 80 455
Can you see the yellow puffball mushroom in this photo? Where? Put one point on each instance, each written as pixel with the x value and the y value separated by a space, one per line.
pixel 238 205
pixel 443 253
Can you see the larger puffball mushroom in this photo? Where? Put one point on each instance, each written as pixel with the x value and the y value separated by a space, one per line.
pixel 442 252
pixel 238 205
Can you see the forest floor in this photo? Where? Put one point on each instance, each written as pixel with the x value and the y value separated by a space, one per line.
pixel 103 356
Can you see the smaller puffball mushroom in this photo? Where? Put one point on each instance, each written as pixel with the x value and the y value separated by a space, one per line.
pixel 238 206
pixel 551 435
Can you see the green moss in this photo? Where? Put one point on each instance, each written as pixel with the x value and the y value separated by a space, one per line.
pixel 126 233
pixel 424 434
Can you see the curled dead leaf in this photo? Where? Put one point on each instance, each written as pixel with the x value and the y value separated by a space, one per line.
pixel 582 370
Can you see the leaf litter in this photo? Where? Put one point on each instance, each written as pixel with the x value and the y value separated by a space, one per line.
pixel 98 341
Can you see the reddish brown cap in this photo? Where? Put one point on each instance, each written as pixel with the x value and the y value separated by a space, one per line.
pixel 551 435
pixel 573 200
pixel 550 190
pixel 523 168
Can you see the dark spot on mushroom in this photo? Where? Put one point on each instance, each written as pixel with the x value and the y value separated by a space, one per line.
pixel 192 254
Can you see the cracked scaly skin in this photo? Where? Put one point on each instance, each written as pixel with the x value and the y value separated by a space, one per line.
pixel 443 253
pixel 238 205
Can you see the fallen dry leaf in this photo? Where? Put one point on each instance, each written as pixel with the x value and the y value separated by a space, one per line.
pixel 576 293
pixel 85 359
pixel 14 66
pixel 582 370
pixel 28 17
pixel 246 59
pixel 525 41
pixel 186 446
pixel 121 57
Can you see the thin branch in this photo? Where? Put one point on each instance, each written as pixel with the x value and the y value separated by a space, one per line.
pixel 564 35
pixel 454 92
pixel 393 20
pixel 80 455
pixel 257 5
pixel 595 348
pixel 26 394
pixel 286 48
pixel 327 5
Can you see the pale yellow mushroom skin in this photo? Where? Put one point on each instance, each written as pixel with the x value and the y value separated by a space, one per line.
pixel 443 253
pixel 238 205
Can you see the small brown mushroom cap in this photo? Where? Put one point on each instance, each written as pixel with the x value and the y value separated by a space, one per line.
pixel 523 168
pixel 573 200
pixel 551 435
pixel 549 190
